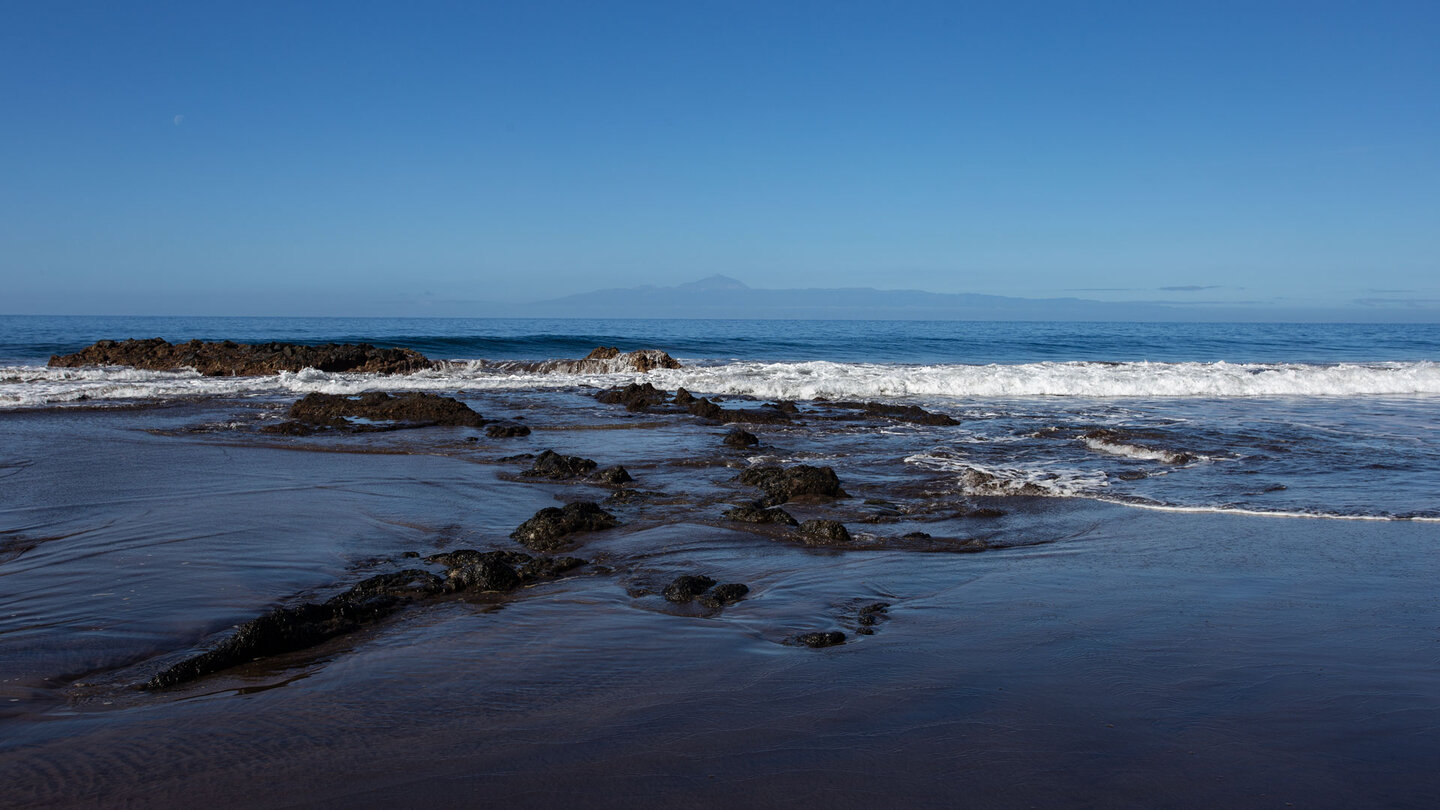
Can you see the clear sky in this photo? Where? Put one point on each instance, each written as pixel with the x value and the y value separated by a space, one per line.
pixel 266 158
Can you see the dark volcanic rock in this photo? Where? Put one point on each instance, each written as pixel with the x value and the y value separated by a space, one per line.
pixel 757 514
pixel 723 595
pixel 548 567
pixel 286 630
pixel 507 431
pixel 683 398
pixel 740 437
pixel 375 411
pixel 686 588
pixel 705 409
pixel 602 360
pixel 490 572
pixel 547 530
pixel 551 464
pixel 291 629
pixel 902 413
pixel 785 484
pixel 464 564
pixel 871 615
pixel 818 640
pixel 614 476
pixel 635 396
pixel 755 416
pixel 824 532
pixel 227 358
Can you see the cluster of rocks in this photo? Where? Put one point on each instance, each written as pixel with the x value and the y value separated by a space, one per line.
pixel 601 360
pixel 374 411
pixel 901 413
pixel 689 588
pixel 556 467
pixel 291 629
pixel 643 397
pixel 228 358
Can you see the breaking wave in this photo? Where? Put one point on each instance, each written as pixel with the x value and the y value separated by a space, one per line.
pixel 31 386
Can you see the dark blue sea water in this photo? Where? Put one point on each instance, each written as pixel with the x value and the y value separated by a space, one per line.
pixel 31 339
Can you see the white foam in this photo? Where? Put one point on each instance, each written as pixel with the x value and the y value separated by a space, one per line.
pixel 1138 452
pixel 22 386
pixel 1149 380
pixel 1046 480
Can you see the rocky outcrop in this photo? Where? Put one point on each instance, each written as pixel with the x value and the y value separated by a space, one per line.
pixel 291 629
pixel 765 415
pixel 901 413
pixel 740 438
pixel 757 514
pixel 551 527
pixel 375 411
pixel 694 588
pixel 635 397
pixel 552 465
pixel 603 360
pixel 786 484
pixel 508 430
pixel 824 532
pixel 228 358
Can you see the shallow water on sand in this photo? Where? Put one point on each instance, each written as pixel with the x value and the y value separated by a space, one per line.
pixel 1095 655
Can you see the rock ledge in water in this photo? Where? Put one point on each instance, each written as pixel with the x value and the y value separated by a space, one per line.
pixel 228 358
pixel 375 411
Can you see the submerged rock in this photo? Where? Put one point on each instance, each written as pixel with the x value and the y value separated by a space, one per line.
pixel 725 595
pixel 818 640
pixel 785 484
pixel 290 629
pixel 508 430
pixel 551 464
pixel 740 437
pixel 375 411
pixel 758 514
pixel 614 476
pixel 901 413
pixel 228 358
pixel 549 528
pixel 870 615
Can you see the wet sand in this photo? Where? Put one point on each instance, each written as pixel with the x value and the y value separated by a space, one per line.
pixel 1097 656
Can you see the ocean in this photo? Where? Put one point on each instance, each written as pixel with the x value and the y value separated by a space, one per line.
pixel 1330 420
pixel 1182 565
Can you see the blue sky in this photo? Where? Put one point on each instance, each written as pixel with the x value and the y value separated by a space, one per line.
pixel 259 158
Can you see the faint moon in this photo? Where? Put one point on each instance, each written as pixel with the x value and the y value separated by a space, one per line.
pixel 179 119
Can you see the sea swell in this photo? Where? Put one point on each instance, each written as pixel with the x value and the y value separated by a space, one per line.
pixel 31 386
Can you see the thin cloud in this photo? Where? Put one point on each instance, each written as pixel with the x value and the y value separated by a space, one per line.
pixel 1398 303
pixel 1190 288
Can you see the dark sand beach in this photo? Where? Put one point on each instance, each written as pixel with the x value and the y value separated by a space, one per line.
pixel 1092 655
